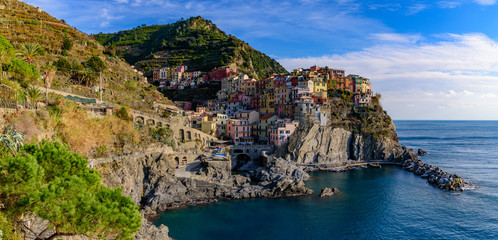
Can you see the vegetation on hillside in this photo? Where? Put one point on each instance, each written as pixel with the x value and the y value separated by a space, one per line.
pixel 368 121
pixel 195 42
pixel 37 40
pixel 54 183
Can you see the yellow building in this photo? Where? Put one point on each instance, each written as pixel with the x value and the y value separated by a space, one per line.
pixel 319 85
pixel 209 127
pixel 249 87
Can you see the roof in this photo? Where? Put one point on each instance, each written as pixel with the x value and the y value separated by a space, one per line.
pixel 266 116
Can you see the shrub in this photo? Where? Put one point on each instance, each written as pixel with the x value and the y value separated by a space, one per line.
pixel 63 63
pixel 95 63
pixel 122 113
pixel 67 44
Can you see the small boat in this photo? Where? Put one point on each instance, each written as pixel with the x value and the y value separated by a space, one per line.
pixel 354 168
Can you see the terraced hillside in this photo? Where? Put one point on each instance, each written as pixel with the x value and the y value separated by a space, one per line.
pixel 195 42
pixel 72 52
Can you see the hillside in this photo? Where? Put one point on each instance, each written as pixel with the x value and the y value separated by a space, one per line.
pixel 195 42
pixel 78 57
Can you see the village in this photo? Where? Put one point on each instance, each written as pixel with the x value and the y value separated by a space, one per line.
pixel 247 111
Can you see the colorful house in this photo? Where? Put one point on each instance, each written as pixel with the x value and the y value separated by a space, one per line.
pixel 265 122
pixel 250 115
pixel 283 129
pixel 363 100
pixel 209 127
pixel 319 85
pixel 237 129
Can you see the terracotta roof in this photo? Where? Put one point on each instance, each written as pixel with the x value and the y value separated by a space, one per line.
pixel 266 116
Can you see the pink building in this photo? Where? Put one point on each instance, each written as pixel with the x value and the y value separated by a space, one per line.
pixel 314 68
pixel 363 100
pixel 238 128
pixel 187 106
pixel 279 134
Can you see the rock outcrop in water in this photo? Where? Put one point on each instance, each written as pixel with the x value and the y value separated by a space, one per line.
pixel 329 192
pixel 437 176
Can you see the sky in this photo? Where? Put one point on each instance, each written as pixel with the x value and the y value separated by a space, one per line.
pixel 430 60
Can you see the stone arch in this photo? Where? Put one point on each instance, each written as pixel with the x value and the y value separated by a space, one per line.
pixel 240 161
pixel 189 135
pixel 182 134
pixel 151 122
pixel 139 119
pixel 177 160
pixel 184 160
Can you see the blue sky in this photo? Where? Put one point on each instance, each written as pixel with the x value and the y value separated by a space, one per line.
pixel 428 59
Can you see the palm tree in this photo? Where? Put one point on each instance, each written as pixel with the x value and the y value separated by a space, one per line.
pixel 33 94
pixel 49 76
pixel 29 52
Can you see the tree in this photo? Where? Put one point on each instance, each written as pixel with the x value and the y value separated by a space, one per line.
pixel 96 64
pixel 6 53
pixel 67 44
pixel 29 52
pixel 25 73
pixel 49 76
pixel 6 50
pixel 33 94
pixel 56 184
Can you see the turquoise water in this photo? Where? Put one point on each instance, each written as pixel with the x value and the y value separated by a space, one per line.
pixel 386 203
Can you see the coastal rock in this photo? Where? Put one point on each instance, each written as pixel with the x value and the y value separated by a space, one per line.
pixel 328 192
pixel 421 152
pixel 338 146
pixel 331 147
pixel 150 231
pixel 436 176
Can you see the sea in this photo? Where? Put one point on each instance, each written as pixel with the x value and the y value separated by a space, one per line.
pixel 385 203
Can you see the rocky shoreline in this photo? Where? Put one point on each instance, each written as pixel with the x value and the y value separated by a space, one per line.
pixel 152 183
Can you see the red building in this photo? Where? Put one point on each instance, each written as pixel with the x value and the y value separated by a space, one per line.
pixel 314 68
pixel 222 72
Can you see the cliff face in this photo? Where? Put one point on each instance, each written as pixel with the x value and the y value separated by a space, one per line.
pixel 362 135
pixel 337 146
pixel 152 183
pixel 351 135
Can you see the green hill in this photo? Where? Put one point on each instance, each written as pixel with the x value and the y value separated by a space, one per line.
pixel 195 42
pixel 76 55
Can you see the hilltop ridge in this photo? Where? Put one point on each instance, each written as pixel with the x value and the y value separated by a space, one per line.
pixel 195 42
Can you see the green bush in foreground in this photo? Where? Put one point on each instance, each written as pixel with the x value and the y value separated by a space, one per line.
pixel 56 184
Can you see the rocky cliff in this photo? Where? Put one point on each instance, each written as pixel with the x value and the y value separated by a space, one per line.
pixel 151 182
pixel 361 135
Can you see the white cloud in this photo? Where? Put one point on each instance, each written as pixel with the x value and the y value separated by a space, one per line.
pixel 448 4
pixel 395 37
pixel 461 69
pixel 414 9
pixel 107 17
pixel 485 2
pixel 488 95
